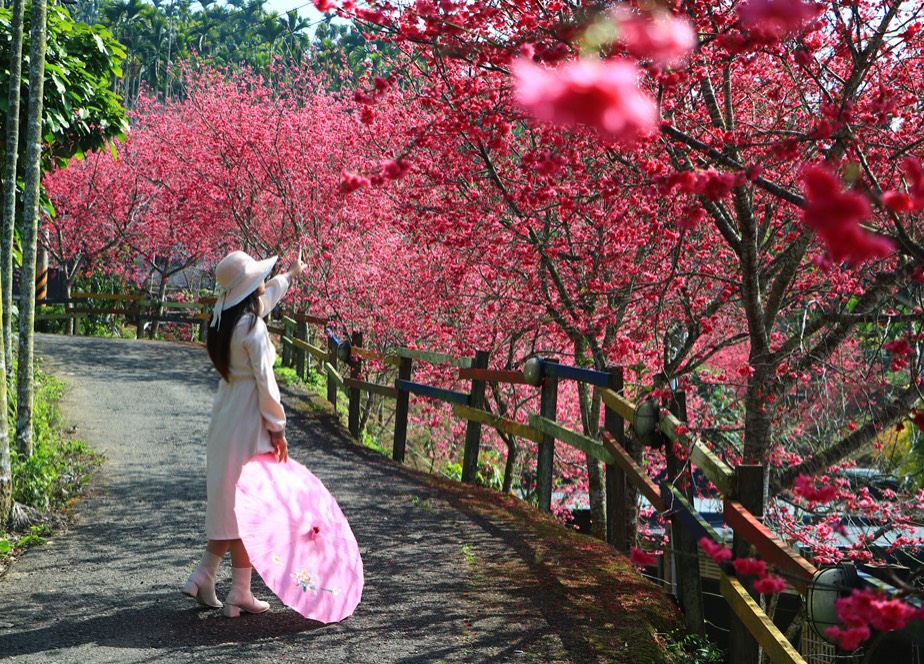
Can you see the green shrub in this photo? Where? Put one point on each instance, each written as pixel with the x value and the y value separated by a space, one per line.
pixel 695 649
pixel 373 442
pixel 58 468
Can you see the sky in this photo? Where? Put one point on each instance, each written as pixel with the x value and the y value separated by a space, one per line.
pixel 305 8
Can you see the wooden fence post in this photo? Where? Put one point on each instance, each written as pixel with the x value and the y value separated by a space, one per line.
pixel 332 360
pixel 287 347
pixel 742 647
pixel 473 428
pixel 548 408
pixel 309 359
pixel 689 583
pixel 355 370
pixel 301 332
pixel 203 325
pixel 616 513
pixel 405 370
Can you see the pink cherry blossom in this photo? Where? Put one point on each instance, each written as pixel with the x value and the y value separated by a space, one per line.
pixel 806 488
pixel 750 567
pixel 395 170
pixel 603 95
pixel 664 39
pixel 777 16
pixel 642 558
pixel 770 585
pixel 350 182
pixel 897 201
pixel 914 173
pixel 913 201
pixel 865 610
pixel 719 553
pixel 850 638
pixel 835 215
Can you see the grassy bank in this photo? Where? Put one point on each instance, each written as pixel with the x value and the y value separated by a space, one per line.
pixel 47 484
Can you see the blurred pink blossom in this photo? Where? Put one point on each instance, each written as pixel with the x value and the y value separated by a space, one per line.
pixel 779 16
pixel 719 553
pixel 603 95
pixel 350 182
pixel 770 585
pixel 641 558
pixel 662 38
pixel 835 215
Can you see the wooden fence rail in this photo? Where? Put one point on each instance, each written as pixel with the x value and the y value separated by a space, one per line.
pixel 342 362
pixel 544 430
pixel 137 308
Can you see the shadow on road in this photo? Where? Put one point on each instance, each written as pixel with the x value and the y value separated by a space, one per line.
pixel 441 583
pixel 151 624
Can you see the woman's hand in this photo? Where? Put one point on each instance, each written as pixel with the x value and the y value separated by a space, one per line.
pixel 280 446
pixel 297 266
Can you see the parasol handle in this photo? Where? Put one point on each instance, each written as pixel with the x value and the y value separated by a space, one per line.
pixel 312 533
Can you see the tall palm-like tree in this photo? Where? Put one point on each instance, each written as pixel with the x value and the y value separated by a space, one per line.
pixel 9 184
pixel 228 34
pixel 294 42
pixel 30 210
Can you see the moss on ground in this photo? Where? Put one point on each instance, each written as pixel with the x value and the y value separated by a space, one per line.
pixel 615 615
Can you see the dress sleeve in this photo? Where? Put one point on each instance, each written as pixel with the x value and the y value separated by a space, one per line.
pixel 275 290
pixel 261 355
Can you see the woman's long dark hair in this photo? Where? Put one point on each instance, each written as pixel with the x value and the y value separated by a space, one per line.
pixel 218 340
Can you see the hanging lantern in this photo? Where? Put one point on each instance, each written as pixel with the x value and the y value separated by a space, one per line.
pixel 533 371
pixel 826 587
pixel 647 417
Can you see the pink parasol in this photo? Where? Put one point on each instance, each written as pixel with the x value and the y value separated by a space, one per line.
pixel 298 539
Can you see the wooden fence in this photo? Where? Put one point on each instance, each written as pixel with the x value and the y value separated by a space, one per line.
pixel 136 308
pixel 308 340
pixel 741 488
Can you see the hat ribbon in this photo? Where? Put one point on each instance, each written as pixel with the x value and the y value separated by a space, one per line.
pixel 222 292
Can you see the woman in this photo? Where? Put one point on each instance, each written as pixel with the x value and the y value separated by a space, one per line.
pixel 247 416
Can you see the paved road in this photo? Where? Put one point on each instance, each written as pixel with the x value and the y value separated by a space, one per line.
pixel 108 589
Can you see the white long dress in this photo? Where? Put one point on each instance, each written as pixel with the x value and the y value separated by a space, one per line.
pixel 246 409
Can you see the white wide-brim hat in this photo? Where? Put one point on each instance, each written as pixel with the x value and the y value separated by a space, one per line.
pixel 237 276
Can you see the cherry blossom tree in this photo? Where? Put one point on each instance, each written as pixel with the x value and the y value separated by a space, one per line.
pixel 722 197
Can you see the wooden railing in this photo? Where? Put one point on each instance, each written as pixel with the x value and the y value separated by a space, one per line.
pixel 620 465
pixel 137 308
pixel 307 340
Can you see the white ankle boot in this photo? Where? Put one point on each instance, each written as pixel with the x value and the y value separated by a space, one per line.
pixel 201 583
pixel 239 597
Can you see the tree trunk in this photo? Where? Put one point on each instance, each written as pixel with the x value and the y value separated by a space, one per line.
pixel 159 308
pixel 636 451
pixel 33 178
pixel 6 469
pixel 758 417
pixel 9 182
pixel 590 416
pixel 510 464
pixel 597 497
pixel 70 323
pixel 590 421
pixel 41 278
